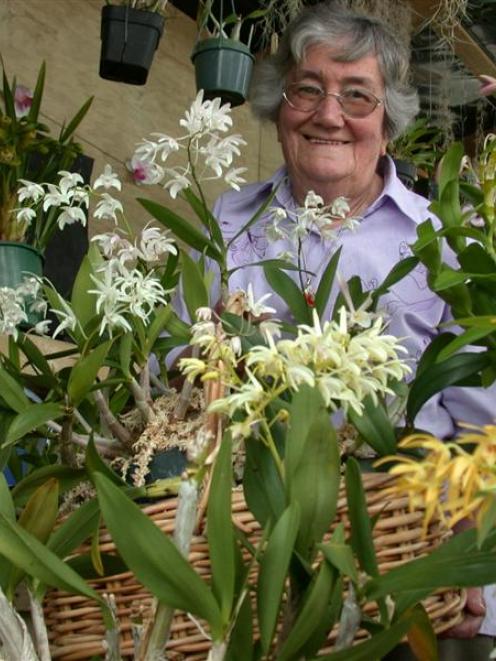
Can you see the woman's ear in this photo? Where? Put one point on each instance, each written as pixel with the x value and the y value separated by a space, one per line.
pixel 383 148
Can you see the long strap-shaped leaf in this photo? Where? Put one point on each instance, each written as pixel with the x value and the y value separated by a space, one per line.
pixel 36 560
pixel 182 229
pixel 379 645
pixel 455 370
pixel 153 557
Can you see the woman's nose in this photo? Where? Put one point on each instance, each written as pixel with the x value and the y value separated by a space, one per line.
pixel 329 111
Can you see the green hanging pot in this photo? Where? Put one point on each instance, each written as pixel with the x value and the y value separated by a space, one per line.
pixel 18 260
pixel 223 69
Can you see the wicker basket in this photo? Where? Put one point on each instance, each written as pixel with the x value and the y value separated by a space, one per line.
pixel 75 626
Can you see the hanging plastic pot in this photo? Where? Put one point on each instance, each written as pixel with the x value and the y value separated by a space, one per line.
pixel 129 40
pixel 223 68
pixel 407 172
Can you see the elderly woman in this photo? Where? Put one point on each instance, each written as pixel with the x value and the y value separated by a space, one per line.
pixel 337 91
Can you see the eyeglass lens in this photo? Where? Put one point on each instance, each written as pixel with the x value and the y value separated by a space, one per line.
pixel 354 102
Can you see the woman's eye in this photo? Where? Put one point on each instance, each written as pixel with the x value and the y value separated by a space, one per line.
pixel 357 94
pixel 309 90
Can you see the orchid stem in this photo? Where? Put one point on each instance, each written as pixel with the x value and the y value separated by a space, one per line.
pixel 114 426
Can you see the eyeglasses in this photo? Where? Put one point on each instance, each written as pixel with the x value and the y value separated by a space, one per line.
pixel 355 101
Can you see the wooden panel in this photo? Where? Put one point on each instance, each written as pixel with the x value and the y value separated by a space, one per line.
pixel 66 34
pixel 466 47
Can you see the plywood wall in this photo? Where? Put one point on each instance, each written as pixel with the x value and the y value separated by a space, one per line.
pixel 66 34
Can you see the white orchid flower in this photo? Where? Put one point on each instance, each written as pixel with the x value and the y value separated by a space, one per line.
pixel 30 191
pixel 257 308
pixel 71 215
pixel 108 179
pixel 178 183
pixel 107 208
pixel 233 179
pixel 25 215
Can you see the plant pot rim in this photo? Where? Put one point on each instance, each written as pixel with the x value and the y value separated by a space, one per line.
pixel 152 19
pixel 22 246
pixel 221 43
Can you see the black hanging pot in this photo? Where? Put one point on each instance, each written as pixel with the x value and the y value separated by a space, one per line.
pixel 223 69
pixel 407 172
pixel 129 40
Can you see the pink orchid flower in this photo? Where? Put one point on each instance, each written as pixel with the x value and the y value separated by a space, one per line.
pixel 488 85
pixel 23 100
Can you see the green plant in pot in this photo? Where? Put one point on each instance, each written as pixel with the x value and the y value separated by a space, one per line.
pixel 416 151
pixel 28 152
pixel 130 33
pixel 223 63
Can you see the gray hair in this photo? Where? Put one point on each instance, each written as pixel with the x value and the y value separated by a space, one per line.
pixel 357 36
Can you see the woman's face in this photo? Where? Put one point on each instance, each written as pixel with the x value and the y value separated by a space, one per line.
pixel 325 150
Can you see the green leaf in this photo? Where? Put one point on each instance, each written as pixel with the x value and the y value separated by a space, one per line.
pixel 153 557
pixel 361 530
pixel 75 529
pixel 457 569
pixel 38 360
pixel 280 263
pixel 315 603
pixel 194 291
pixel 83 374
pixel 397 273
pixel 451 372
pixel 125 354
pixel 94 463
pixel 448 277
pixel 158 325
pixel 206 217
pixel 431 353
pixel 34 111
pixel 7 510
pixel 220 529
pixel 178 328
pixel 456 563
pixel 8 97
pixel 273 572
pixel 325 285
pixel 95 554
pixel 477 260
pixel 12 392
pixel 262 485
pixel 449 169
pixel 82 302
pixel 76 120
pixel 66 476
pixel 488 522
pixel 422 638
pixel 241 640
pixel 374 426
pixel 258 214
pixel 33 418
pixel 470 336
pixel 340 555
pixel 377 646
pixel 427 247
pixel 38 518
pixel 26 552
pixel 289 291
pixel 182 229
pixel 6 502
pixel 312 466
